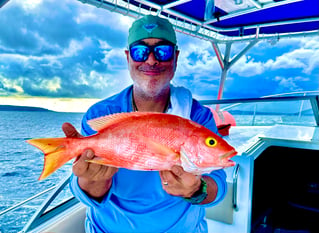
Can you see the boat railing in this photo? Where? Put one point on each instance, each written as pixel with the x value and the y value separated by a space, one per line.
pixel 48 209
pixel 293 110
pixel 44 213
pixel 27 200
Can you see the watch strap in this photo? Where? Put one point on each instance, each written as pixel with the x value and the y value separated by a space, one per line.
pixel 200 195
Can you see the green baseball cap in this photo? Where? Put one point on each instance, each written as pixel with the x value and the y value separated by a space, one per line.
pixel 151 26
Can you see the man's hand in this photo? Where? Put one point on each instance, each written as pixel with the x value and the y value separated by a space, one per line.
pixel 177 182
pixel 94 179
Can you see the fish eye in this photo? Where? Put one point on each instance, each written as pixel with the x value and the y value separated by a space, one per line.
pixel 211 142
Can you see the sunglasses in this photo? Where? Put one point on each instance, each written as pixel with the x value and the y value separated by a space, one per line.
pixel 162 52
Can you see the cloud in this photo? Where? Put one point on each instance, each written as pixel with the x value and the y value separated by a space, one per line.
pixel 50 51
pixel 287 84
pixel 8 86
pixel 197 56
pixel 29 5
pixel 294 59
pixel 51 86
pixel 247 67
pixel 313 60
pixel 77 50
pixel 305 57
pixel 115 59
pixel 197 68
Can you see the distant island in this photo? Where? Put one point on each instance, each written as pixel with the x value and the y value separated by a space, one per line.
pixel 23 108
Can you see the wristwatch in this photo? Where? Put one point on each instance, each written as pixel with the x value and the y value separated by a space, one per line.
pixel 199 195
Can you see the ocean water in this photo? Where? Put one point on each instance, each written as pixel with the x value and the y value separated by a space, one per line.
pixel 21 164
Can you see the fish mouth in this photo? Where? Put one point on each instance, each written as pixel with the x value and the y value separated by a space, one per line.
pixel 225 158
pixel 228 155
pixel 190 167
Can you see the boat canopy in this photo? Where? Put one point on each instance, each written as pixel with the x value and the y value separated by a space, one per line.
pixel 227 20
pixel 2 2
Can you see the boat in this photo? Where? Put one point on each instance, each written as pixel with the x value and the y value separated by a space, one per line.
pixel 274 186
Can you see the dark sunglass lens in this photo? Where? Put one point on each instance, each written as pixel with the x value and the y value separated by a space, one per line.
pixel 139 53
pixel 164 52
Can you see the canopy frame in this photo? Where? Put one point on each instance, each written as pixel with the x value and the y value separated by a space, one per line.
pixel 208 27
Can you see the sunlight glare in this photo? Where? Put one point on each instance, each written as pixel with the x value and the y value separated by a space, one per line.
pixel 30 4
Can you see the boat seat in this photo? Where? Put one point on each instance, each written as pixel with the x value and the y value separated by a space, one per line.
pixel 71 222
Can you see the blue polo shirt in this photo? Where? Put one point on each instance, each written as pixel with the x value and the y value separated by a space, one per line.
pixel 136 201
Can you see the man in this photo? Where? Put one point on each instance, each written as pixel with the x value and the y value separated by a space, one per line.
pixel 122 200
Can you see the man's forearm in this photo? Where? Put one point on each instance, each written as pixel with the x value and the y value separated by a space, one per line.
pixel 95 189
pixel 211 190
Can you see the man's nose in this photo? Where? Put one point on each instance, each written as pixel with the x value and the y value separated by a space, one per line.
pixel 151 60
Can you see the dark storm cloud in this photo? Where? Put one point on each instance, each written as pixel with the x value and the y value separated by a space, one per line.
pixel 52 26
pixel 47 42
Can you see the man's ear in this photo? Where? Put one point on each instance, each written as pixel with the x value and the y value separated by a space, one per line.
pixel 177 53
pixel 176 58
pixel 127 55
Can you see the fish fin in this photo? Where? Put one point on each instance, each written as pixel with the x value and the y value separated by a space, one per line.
pixel 186 163
pixel 190 166
pixel 103 122
pixel 55 154
pixel 101 161
pixel 161 149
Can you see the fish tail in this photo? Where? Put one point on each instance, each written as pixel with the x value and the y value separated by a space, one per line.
pixel 55 153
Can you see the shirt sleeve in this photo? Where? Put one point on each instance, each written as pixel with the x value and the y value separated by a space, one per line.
pixel 86 130
pixel 103 108
pixel 97 110
pixel 204 116
pixel 219 176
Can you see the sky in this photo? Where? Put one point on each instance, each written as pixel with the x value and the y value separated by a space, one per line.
pixel 53 52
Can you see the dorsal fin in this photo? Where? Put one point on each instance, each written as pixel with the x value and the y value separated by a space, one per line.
pixel 100 123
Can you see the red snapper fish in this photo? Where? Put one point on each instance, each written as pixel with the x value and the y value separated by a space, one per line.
pixel 141 141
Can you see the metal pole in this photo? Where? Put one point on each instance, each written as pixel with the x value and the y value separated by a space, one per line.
pixel 221 87
pixel 25 201
pixel 225 63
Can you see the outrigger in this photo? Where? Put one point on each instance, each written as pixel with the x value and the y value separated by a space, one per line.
pixel 275 185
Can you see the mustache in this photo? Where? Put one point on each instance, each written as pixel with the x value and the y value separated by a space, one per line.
pixel 153 68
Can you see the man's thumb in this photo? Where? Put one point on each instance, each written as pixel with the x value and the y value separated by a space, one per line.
pixel 70 131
